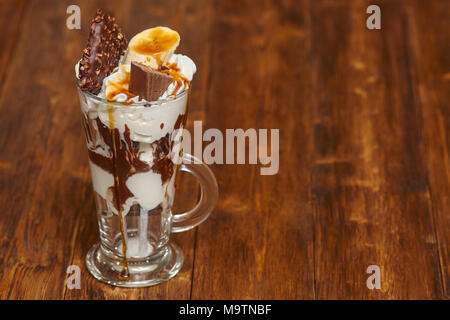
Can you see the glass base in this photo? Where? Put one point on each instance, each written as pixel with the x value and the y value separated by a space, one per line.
pixel 141 273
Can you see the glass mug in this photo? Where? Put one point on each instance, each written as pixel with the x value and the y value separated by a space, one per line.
pixel 135 153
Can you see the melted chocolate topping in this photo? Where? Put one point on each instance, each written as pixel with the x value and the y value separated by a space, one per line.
pixel 127 162
pixel 162 164
pixel 124 165
pixel 179 122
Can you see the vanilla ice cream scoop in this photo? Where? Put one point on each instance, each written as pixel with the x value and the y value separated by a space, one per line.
pixel 152 47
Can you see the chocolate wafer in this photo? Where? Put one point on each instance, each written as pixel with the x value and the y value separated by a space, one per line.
pixel 148 83
pixel 101 56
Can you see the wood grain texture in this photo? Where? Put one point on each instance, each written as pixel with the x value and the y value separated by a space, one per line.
pixel 11 13
pixel 432 73
pixel 364 173
pixel 258 244
pixel 371 200
pixel 32 252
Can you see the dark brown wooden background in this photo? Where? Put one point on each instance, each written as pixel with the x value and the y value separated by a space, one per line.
pixel 364 123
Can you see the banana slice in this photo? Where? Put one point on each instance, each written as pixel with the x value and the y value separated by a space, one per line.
pixel 152 47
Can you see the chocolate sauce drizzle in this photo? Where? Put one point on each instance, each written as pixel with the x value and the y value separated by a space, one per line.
pixel 124 162
pixel 162 163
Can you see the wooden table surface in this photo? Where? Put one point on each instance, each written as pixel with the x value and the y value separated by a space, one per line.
pixel 364 174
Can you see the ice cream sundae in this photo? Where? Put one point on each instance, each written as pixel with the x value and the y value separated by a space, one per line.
pixel 134 96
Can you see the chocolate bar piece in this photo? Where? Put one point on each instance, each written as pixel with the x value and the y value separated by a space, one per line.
pixel 147 83
pixel 105 45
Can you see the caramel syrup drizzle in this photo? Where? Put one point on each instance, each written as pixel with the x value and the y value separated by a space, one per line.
pixel 121 86
pixel 173 70
pixel 124 274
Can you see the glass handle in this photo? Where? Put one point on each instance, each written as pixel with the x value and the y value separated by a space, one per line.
pixel 209 192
